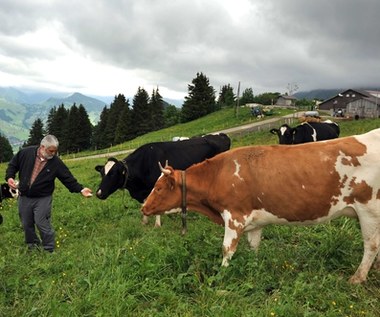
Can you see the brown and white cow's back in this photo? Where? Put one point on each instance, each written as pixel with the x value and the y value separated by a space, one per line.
pixel 249 187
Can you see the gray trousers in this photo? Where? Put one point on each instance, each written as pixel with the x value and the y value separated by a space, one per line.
pixel 36 212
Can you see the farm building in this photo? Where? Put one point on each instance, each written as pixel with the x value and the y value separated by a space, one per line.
pixel 354 103
pixel 286 101
pixel 363 108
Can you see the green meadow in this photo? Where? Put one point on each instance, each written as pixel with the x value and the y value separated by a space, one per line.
pixel 108 264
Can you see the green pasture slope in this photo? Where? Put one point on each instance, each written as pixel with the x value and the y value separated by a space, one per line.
pixel 108 264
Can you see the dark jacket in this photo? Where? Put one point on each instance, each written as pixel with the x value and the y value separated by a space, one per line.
pixel 23 163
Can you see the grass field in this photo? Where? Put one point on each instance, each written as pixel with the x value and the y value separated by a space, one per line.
pixel 108 264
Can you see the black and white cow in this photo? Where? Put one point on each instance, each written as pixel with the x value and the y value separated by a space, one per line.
pixel 307 132
pixel 139 171
pixel 6 192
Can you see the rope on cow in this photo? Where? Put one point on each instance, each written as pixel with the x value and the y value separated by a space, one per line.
pixel 183 206
pixel 126 175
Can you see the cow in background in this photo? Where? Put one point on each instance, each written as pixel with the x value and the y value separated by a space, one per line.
pixel 139 171
pixel 250 187
pixel 6 192
pixel 307 132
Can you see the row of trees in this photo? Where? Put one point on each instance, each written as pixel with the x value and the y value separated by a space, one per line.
pixel 122 121
pixel 6 151
pixel 72 127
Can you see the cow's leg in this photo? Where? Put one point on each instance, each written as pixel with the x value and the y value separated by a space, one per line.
pixel 145 220
pixel 158 221
pixel 254 238
pixel 230 242
pixel 371 239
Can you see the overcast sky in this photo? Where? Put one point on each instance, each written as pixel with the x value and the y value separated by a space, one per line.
pixel 107 47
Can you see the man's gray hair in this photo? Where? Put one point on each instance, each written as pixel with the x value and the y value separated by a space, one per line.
pixel 50 140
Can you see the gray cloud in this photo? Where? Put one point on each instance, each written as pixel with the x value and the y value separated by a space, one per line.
pixel 316 44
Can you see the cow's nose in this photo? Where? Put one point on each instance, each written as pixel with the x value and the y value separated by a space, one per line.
pixel 99 194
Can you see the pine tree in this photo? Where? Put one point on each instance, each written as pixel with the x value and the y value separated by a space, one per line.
pixel 226 97
pixel 247 97
pixel 116 108
pixel 84 129
pixel 56 122
pixel 156 106
pixel 141 116
pixel 98 138
pixel 70 141
pixel 172 115
pixel 124 127
pixel 200 101
pixel 36 133
pixel 6 152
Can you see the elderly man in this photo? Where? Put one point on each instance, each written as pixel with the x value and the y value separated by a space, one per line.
pixel 37 168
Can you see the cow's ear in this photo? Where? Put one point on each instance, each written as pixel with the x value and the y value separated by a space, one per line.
pixel 275 131
pixel 171 182
pixel 99 168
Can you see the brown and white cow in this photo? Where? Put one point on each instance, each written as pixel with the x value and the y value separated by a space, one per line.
pixel 250 187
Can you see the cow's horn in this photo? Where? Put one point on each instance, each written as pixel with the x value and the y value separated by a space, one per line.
pixel 165 170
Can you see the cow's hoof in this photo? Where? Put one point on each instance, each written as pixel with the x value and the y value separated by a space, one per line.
pixel 1 219
pixel 356 280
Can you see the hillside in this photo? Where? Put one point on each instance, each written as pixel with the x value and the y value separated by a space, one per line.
pixel 18 110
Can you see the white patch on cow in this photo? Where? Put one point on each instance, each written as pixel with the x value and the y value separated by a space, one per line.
pixel 173 211
pixel 314 135
pixel 229 236
pixel 303 187
pixel 261 217
pixel 237 170
pixel 108 166
pixel 283 130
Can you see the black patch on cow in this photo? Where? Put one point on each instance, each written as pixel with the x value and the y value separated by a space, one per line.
pixel 304 132
pixel 139 171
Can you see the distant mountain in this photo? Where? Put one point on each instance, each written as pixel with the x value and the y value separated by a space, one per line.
pixel 13 95
pixel 18 110
pixel 324 94
pixel 91 104
pixel 320 94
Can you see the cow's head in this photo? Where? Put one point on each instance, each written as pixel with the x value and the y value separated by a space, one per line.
pixel 6 192
pixel 166 194
pixel 285 134
pixel 114 175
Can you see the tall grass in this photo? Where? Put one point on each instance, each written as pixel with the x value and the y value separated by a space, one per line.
pixel 108 264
